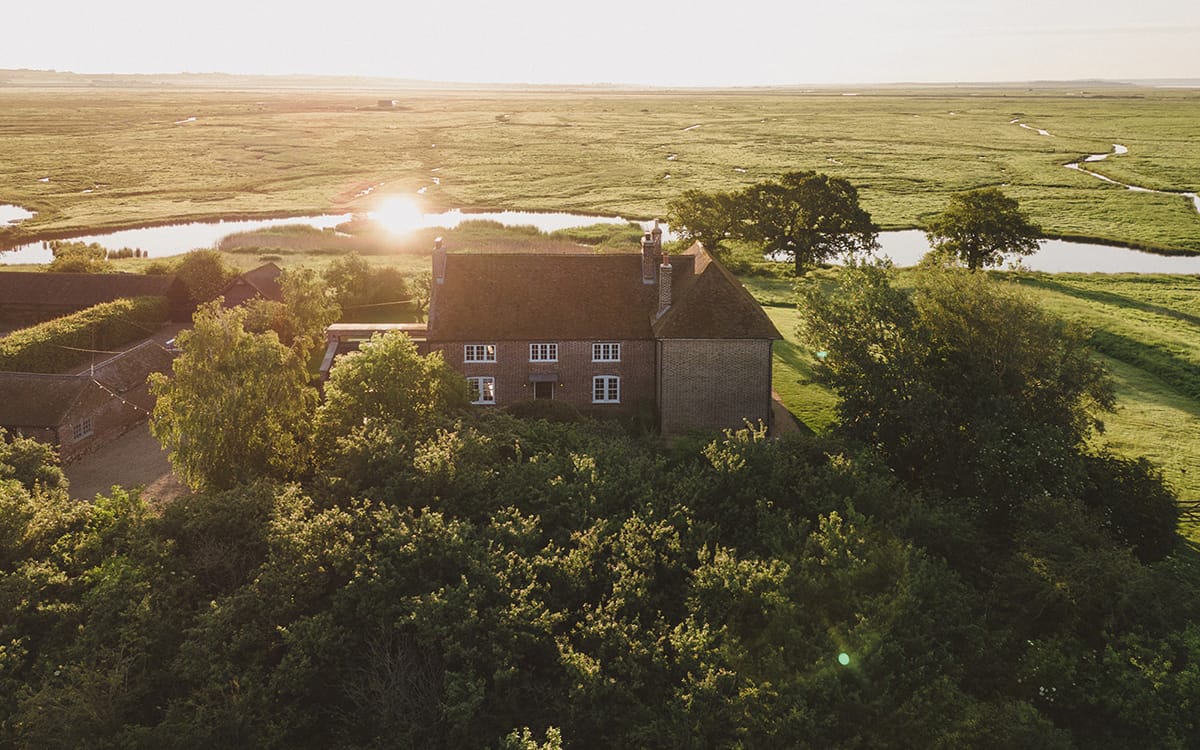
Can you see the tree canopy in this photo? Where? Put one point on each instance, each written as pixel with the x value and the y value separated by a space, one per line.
pixel 237 405
pixel 964 384
pixel 953 567
pixel 805 217
pixel 979 227
pixel 808 217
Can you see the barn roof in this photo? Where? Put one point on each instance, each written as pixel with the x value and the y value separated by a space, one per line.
pixel 38 400
pixel 80 289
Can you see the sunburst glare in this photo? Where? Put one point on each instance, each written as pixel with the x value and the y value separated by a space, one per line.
pixel 398 215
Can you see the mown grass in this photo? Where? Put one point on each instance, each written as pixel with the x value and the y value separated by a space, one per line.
pixel 1146 329
pixel 272 152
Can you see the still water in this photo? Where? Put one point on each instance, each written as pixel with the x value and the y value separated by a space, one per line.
pixel 905 247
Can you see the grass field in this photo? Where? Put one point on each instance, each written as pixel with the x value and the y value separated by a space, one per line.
pixel 87 159
pixel 1146 329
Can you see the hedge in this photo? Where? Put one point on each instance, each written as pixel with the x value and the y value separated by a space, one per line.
pixel 64 343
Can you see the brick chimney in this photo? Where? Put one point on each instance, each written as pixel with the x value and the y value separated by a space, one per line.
pixel 650 256
pixel 664 286
pixel 439 262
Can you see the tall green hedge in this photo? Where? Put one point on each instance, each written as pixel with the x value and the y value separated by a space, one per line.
pixel 63 343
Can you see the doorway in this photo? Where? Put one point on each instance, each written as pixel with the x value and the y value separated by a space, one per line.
pixel 543 389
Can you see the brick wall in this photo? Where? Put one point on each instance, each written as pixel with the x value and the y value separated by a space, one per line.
pixel 575 370
pixel 712 384
pixel 111 417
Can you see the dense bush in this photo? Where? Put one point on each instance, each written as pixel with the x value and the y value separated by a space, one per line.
pixel 60 344
pixel 452 578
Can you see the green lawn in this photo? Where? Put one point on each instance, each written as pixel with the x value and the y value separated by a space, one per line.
pixel 1146 330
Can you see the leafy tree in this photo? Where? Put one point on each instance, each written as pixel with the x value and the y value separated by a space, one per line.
pixel 204 274
pixel 979 227
pixel 366 293
pixel 421 289
pixel 708 218
pixel 78 257
pixel 387 382
pixel 30 462
pixel 965 385
pixel 237 406
pixel 808 217
pixel 301 318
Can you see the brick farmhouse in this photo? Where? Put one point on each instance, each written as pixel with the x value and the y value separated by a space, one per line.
pixel 676 337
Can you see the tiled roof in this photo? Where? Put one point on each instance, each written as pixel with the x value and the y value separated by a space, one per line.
pixel 585 296
pixel 528 296
pixel 264 280
pixel 710 303
pixel 41 400
pixel 38 400
pixel 79 289
pixel 129 370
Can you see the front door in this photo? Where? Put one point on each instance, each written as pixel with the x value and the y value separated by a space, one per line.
pixel 543 389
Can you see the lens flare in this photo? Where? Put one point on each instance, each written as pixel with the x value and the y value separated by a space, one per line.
pixel 398 215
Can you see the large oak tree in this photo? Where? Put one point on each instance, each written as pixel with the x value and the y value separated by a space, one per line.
pixel 979 227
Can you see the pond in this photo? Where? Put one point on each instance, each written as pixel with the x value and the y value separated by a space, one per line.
pixel 10 214
pixel 905 247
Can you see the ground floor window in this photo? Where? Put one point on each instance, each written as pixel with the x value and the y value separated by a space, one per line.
pixel 83 429
pixel 606 389
pixel 483 390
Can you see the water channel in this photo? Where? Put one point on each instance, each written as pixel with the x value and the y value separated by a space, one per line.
pixel 904 247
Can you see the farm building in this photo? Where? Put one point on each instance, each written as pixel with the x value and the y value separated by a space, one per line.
pixel 79 412
pixel 677 337
pixel 261 282
pixel 30 298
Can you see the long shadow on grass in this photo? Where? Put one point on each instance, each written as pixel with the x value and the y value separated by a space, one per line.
pixel 1155 359
pixel 1111 298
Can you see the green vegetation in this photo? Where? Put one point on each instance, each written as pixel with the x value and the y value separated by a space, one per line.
pixel 63 343
pixel 236 404
pixel 980 228
pixel 1152 317
pixel 456 578
pixel 298 152
pixel 806 217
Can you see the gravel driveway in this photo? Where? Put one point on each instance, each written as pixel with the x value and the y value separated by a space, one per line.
pixel 133 460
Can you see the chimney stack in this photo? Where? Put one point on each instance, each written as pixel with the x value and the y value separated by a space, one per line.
pixel 664 285
pixel 439 262
pixel 650 256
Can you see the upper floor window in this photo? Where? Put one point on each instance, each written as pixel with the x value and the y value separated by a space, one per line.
pixel 543 352
pixel 606 352
pixel 483 390
pixel 479 353
pixel 606 389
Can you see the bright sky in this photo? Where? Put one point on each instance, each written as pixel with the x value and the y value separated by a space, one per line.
pixel 658 42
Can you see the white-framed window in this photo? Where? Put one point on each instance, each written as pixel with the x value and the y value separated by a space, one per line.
pixel 606 352
pixel 483 390
pixel 543 352
pixel 479 353
pixel 82 429
pixel 606 389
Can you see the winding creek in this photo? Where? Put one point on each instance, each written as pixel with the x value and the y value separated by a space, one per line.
pixel 904 247
pixel 1118 150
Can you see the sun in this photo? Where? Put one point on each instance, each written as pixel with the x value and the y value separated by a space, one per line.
pixel 398 215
